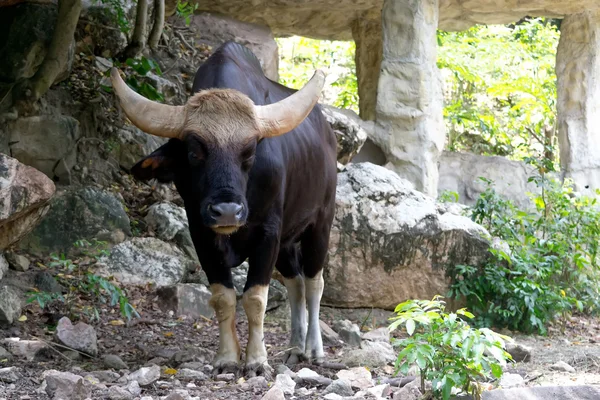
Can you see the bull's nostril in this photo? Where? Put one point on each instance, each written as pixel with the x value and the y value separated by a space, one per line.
pixel 239 210
pixel 226 213
pixel 214 212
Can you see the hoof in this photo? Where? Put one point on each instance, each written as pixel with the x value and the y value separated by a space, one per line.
pixel 293 357
pixel 226 367
pixel 259 369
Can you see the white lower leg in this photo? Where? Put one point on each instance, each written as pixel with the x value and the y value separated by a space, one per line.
pixel 255 304
pixel 223 302
pixel 295 289
pixel 314 342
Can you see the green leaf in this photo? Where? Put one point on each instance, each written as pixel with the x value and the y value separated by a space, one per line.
pixel 410 327
pixel 496 370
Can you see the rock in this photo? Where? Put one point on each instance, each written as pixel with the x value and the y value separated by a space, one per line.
pixel 133 144
pixel 285 383
pixel 348 131
pixel 113 361
pixel 333 396
pixel 329 335
pixel 45 282
pixel 411 391
pixel 256 382
pixel 508 381
pixel 145 376
pixel 274 393
pixel 340 387
pixel 10 304
pixel 3 266
pixel 47 143
pixel 349 332
pixel 358 377
pixel 307 373
pixel 170 223
pixel 119 393
pixel 5 355
pixel 134 388
pixel 543 393
pixel 75 215
pixel 197 354
pixel 170 91
pixel 186 299
pixel 16 261
pixel 377 335
pixel 562 366
pixel 9 375
pixel 217 29
pixel 29 349
pixel 66 385
pixel 186 374
pixel 460 172
pixel 370 354
pixel 277 292
pixel 80 337
pixel 106 376
pixel 380 391
pixel 283 369
pixel 225 377
pixel 387 235
pixel 519 352
pixel 24 192
pixel 140 261
pixel 314 381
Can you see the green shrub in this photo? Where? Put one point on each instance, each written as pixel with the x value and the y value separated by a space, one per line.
pixel 550 268
pixel 447 351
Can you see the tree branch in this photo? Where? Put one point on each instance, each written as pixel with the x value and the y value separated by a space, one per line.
pixel 138 39
pixel 159 21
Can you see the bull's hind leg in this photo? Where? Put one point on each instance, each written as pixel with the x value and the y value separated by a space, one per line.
pixel 314 251
pixel 289 265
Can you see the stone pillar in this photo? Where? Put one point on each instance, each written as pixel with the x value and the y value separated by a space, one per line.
pixel 367 36
pixel 409 126
pixel 578 73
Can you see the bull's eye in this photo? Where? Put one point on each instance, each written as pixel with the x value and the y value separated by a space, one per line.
pixel 193 158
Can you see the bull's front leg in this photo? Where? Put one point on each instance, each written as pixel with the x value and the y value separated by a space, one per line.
pixel 223 301
pixel 254 301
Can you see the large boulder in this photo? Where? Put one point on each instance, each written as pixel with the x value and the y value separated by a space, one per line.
pixel 169 222
pixel 24 192
pixel 390 243
pixel 46 142
pixel 460 173
pixel 141 261
pixel 85 213
pixel 215 30
pixel 133 144
pixel 348 129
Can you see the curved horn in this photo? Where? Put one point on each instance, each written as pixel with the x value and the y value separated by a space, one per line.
pixel 283 116
pixel 151 117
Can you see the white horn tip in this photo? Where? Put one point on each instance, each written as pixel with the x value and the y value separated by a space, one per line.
pixel 114 74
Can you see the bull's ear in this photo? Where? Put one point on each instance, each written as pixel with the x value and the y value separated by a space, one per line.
pixel 162 164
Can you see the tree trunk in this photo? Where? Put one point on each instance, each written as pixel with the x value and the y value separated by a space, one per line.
pixel 138 40
pixel 56 57
pixel 159 21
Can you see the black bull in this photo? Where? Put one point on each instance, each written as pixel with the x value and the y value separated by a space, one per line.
pixel 288 195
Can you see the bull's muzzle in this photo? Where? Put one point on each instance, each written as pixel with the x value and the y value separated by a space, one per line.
pixel 226 217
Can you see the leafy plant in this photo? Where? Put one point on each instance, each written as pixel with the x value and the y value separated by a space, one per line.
pixel 448 196
pixel 141 67
pixel 185 10
pixel 119 13
pixel 446 349
pixel 61 261
pixel 549 266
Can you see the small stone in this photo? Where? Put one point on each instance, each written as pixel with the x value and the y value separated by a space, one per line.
pixel 285 383
pixel 333 396
pixel 410 391
pixel 146 398
pixel 80 337
pixel 198 366
pixel 349 332
pixel 113 361
pixel 377 335
pixel 178 395
pixel 4 354
pixel 3 266
pixel 316 381
pixel 66 385
pixel 380 390
pixel 45 282
pixel 509 381
pixel 119 393
pixel 187 374
pixel 359 377
pixel 340 387
pixel 329 335
pixel 17 261
pixel 562 366
pixel 306 373
pixel 10 304
pixel 371 354
pixel 283 369
pixel 225 377
pixel 72 355
pixel 145 376
pixel 274 393
pixel 134 388
pixel 106 376
pixel 8 375
pixel 29 349
pixel 304 391
pixel 257 382
pixel 519 352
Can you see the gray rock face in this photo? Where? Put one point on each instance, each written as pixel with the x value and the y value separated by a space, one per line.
pixel 377 335
pixel 77 214
pixel 170 223
pixel 24 192
pixel 330 336
pixel 349 332
pixel 460 172
pixel 389 236
pixel 80 337
pixel 17 261
pixel 66 385
pixel 370 354
pixel 410 391
pixel 45 282
pixel 113 361
pixel 508 381
pixel 106 40
pixel 340 387
pixel 143 260
pixel 545 393
pixel 285 383
pixel 10 304
pixel 348 131
pixel 277 292
pixel 3 266
pixel 135 144
pixel 47 143
pixel 9 375
pixel 186 299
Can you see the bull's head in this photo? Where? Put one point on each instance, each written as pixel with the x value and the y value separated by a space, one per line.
pixel 213 144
